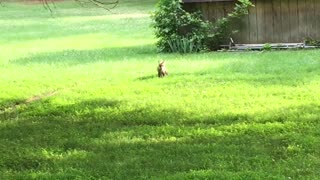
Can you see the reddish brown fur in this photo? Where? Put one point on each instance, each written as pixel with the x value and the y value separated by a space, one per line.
pixel 162 70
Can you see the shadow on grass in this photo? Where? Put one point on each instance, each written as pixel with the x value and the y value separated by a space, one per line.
pixel 105 139
pixel 9 103
pixel 143 78
pixel 77 57
pixel 173 74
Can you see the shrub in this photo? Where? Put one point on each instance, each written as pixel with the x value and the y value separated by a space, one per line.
pixel 312 42
pixel 267 47
pixel 180 31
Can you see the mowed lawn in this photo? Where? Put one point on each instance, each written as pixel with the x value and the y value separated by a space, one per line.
pixel 79 99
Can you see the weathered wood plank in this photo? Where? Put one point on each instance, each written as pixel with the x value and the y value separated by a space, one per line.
pixel 219 10
pixel 285 18
pixel 317 16
pixel 227 8
pixel 253 24
pixel 294 21
pixel 205 11
pixel 268 14
pixel 277 31
pixel 272 45
pixel 236 25
pixel 302 19
pixel 261 21
pixel 214 10
pixel 245 30
pixel 310 18
pixel 314 20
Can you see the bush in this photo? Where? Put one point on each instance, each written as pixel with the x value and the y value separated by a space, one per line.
pixel 180 31
pixel 267 47
pixel 312 42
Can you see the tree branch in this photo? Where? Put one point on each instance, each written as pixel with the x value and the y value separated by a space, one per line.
pixel 107 5
pixel 46 5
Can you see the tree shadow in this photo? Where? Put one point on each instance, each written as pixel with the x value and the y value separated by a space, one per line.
pixel 77 57
pixel 121 142
pixel 7 103
pixel 143 78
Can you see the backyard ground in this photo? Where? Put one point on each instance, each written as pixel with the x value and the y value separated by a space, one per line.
pixel 79 99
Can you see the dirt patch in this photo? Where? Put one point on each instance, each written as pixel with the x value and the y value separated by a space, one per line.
pixel 36 98
pixel 39 97
pixel 29 101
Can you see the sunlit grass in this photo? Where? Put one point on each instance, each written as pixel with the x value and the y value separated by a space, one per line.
pixel 251 115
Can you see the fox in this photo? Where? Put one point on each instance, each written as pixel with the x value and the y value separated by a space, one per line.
pixel 162 70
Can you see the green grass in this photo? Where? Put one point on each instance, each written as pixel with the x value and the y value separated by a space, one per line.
pixel 252 115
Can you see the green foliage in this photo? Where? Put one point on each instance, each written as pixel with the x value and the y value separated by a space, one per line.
pixel 267 47
pixel 222 29
pixel 184 45
pixel 312 42
pixel 175 27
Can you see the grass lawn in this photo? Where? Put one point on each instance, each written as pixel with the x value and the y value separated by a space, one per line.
pixel 103 113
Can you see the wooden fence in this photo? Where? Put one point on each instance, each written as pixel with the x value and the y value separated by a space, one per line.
pixel 270 21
